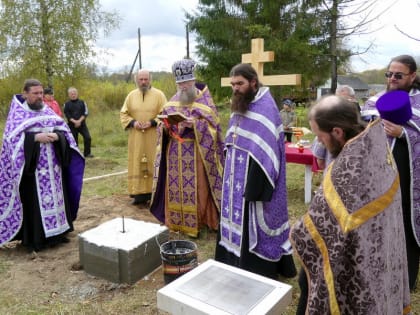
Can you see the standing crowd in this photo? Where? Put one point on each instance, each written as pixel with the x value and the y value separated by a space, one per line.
pixel 349 243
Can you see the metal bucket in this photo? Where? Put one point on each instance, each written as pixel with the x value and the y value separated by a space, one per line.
pixel 178 257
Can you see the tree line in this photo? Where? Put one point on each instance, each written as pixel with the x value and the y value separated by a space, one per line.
pixel 53 40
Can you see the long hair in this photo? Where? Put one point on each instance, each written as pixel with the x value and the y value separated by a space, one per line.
pixel 412 66
pixel 333 111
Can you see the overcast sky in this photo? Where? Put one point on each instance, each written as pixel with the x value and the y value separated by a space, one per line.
pixel 162 27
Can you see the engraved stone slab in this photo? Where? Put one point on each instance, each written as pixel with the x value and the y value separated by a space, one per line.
pixel 216 288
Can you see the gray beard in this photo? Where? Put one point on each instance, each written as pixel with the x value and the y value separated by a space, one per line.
pixel 187 97
pixel 144 89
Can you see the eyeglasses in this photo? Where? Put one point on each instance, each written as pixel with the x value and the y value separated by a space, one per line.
pixel 397 75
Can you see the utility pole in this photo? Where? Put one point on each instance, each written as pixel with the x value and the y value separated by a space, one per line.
pixel 138 55
pixel 139 52
pixel 132 67
pixel 188 41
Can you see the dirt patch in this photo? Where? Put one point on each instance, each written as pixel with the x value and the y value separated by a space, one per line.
pixel 56 274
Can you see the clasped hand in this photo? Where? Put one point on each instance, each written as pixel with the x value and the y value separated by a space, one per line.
pixel 46 137
pixel 142 125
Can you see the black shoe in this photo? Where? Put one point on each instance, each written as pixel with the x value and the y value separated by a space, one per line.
pixel 286 267
pixel 52 242
pixel 89 156
pixel 64 239
pixel 136 202
pixel 137 199
pixel 144 205
pixel 141 198
pixel 35 248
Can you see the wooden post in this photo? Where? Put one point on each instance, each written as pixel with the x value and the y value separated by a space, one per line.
pixel 257 58
pixel 139 38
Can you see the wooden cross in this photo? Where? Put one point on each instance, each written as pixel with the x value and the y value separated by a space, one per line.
pixel 257 58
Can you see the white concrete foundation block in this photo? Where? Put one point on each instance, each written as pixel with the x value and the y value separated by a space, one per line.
pixel 122 252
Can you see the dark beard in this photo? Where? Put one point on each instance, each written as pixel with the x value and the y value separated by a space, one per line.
pixel 406 88
pixel 36 106
pixel 240 101
pixel 335 148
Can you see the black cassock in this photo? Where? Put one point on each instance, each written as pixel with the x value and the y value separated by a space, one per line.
pixel 258 188
pixel 32 233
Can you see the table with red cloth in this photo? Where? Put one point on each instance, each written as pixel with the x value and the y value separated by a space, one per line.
pixel 308 159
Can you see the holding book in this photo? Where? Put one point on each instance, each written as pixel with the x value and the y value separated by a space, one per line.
pixel 188 166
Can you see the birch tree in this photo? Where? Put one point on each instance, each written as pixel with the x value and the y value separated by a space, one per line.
pixel 50 39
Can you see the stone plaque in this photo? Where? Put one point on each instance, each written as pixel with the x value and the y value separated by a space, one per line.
pixel 216 288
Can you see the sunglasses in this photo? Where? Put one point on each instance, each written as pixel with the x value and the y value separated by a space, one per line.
pixel 397 75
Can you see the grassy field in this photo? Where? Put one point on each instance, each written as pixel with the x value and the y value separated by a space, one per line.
pixel 109 147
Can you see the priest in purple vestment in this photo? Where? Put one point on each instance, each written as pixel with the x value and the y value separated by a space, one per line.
pixel 41 173
pixel 349 241
pixel 404 139
pixel 254 226
pixel 189 157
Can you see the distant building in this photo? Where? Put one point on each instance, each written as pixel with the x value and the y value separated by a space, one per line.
pixel 360 88
pixel 375 88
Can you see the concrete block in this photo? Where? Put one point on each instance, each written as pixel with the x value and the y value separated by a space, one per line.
pixel 122 257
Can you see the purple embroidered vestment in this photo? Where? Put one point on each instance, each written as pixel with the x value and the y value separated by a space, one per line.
pixel 49 173
pixel 412 136
pixel 255 135
pixel 180 167
pixel 351 240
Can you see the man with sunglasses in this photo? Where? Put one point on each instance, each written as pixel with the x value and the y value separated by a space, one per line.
pixel 404 140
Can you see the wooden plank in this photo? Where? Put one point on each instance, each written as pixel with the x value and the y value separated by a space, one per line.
pixel 257 58
pixel 281 79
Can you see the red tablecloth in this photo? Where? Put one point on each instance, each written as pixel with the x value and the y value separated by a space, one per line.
pixel 306 157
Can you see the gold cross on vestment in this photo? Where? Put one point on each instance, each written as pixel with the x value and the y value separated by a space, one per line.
pixel 257 58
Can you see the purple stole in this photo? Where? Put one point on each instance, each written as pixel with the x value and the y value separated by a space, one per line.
pixel 48 172
pixel 412 129
pixel 255 135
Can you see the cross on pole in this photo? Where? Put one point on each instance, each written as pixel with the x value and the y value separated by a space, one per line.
pixel 257 58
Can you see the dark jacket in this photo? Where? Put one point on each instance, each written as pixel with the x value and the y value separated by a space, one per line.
pixel 75 109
